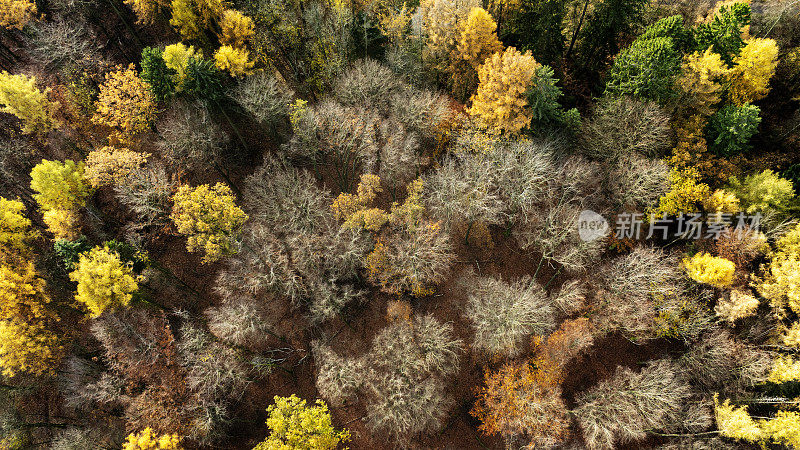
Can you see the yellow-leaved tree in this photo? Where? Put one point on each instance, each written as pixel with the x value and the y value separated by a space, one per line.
pixel 499 104
pixel 185 19
pixel 707 269
pixel 16 13
pixel 734 422
pixel 753 69
pixel 15 232
pixel 26 344
pixel 781 281
pixel 294 425
pixel 237 28
pixel 177 56
pixel 28 348
pixel 20 96
pixel 442 22
pixel 233 60
pixel 477 41
pixel 148 440
pixel 783 428
pixel 701 80
pixel 208 215
pixel 111 165
pixel 22 294
pixel 104 281
pixel 125 103
pixel 59 185
pixel 192 17
pixel 61 190
pixel 686 192
pixel 147 10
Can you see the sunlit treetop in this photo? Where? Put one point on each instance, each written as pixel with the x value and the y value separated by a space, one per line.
pixel 208 215
pixel 147 10
pixel 59 185
pixel 15 229
pixel 104 281
pixel 177 57
pixel 16 13
pixel 294 425
pixel 148 440
pixel 499 104
pixel 233 60
pixel 20 96
pixel 28 348
pixel 237 28
pixel 125 103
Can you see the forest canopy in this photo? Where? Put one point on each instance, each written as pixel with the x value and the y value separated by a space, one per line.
pixel 374 224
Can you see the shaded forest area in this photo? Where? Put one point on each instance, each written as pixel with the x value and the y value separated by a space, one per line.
pixel 320 224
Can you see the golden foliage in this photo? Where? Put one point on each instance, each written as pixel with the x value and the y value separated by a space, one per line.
pixel 15 232
pixel 781 281
pixel 27 348
pixel 734 422
pixel 499 104
pixel 148 440
pixel 104 281
pixel 26 345
pixel 111 165
pixel 442 22
pixel 476 42
pixel 147 10
pixel 20 97
pixel 63 223
pixel 686 193
pixel 784 370
pixel 478 39
pixel 352 209
pixel 791 336
pixel 237 29
pixel 191 17
pixel 721 201
pixel 16 13
pixel 185 20
pixel 293 425
pixel 702 76
pixel 22 294
pixel 208 215
pixel 59 185
pixel 233 60
pixel 784 428
pixel 754 67
pixel 125 103
pixel 691 152
pixel 711 270
pixel 177 56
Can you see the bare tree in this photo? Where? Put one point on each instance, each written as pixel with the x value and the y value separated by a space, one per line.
pixel 504 314
pixel 265 97
pixel 629 404
pixel 622 127
pixel 189 136
pixel 463 192
pixel 292 245
pixel 401 379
